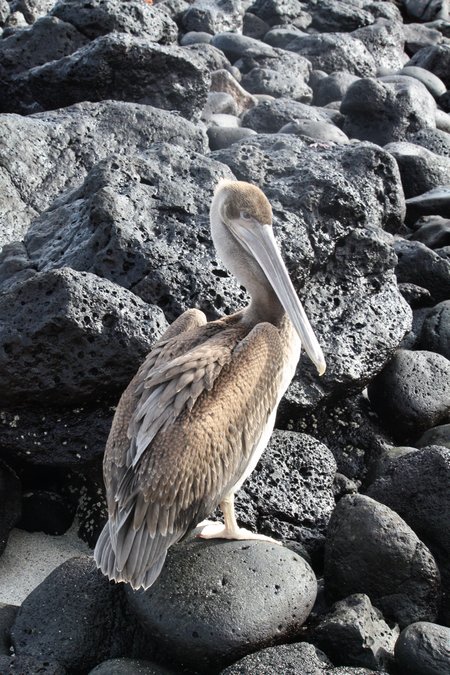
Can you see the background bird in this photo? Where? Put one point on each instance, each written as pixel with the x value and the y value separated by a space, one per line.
pixel 194 421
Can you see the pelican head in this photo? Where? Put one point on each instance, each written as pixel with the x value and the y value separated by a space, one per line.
pixel 241 228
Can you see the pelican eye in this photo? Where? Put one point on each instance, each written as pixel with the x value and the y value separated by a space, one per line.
pixel 245 215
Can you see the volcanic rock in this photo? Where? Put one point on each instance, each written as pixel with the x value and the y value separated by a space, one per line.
pixel 223 137
pixel 435 334
pixel 385 41
pixel 213 17
pixel 436 59
pixel 420 169
pixel 370 549
pixel 419 265
pixel 418 36
pixel 282 12
pixel 333 87
pixel 434 85
pixel 28 665
pixel 201 578
pixel 433 139
pixel 439 435
pixel 269 116
pixel 300 657
pixel 126 666
pixel 234 45
pixel 426 11
pixel 423 649
pixel 321 131
pixel 8 614
pixel 433 231
pixel 433 202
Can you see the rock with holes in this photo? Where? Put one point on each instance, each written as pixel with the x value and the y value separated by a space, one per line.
pixel 211 16
pixel 412 393
pixel 318 196
pixel 423 649
pixel 420 169
pixel 290 493
pixel 126 666
pixel 45 154
pixel 115 66
pixel 73 617
pixel 418 264
pixel 433 139
pixel 300 657
pixel 385 41
pixel 209 622
pixel 335 51
pixel 100 17
pixel 288 12
pixel 370 549
pixel 435 333
pixel 82 336
pixel 334 16
pixel 283 75
pixel 387 109
pixel 436 59
pixel 24 665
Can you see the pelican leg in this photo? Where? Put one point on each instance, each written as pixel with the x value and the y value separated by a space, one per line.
pixel 209 529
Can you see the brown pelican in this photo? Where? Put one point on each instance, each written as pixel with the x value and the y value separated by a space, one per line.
pixel 194 421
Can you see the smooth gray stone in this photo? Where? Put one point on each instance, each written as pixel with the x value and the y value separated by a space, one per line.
pixel 335 51
pixel 234 46
pixel 223 137
pixel 434 84
pixel 420 169
pixel 439 435
pixel 435 334
pixel 436 59
pixel 322 131
pixel 333 87
pixel 432 202
pixel 418 264
pixel 370 549
pixel 281 36
pixel 423 648
pixel 195 37
pixel 418 36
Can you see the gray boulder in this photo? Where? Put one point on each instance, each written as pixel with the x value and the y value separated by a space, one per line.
pixel 439 435
pixel 300 657
pixel 42 155
pixel 387 109
pixel 434 85
pixel 435 59
pixel 433 202
pixel 114 66
pixel 370 549
pixel 336 16
pixel 335 51
pixel 418 264
pixel 420 169
pixel 126 666
pixel 209 623
pixel 436 140
pixel 435 333
pixel 427 11
pixel 385 41
pixel 83 337
pixel 282 12
pixel 433 231
pixel 269 116
pixel 213 16
pixel 423 649
pixel 333 87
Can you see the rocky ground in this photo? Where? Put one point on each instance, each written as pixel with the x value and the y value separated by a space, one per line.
pixel 117 119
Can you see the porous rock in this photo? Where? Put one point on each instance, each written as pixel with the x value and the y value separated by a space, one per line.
pixel 126 666
pixel 282 12
pixel 269 116
pixel 10 500
pixel 300 657
pixel 100 17
pixel 45 154
pixel 213 16
pixel 370 549
pixel 114 66
pixel 385 41
pixel 48 39
pixel 353 633
pixel 274 83
pixel 435 334
pixel 418 264
pixel 426 11
pixel 335 51
pixel 81 335
pixel 343 181
pixel 412 393
pixel 420 169
pixel 418 36
pixel 436 59
pixel 198 613
pixel 223 137
pixel 28 665
pixel 60 619
pixel 423 649
pixel 387 109
pixel 234 46
pixel 290 493
pixel 334 16
pixel 436 140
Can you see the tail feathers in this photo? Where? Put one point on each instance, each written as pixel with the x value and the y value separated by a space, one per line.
pixel 143 559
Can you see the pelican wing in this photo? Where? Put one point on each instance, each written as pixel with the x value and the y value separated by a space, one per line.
pixel 189 445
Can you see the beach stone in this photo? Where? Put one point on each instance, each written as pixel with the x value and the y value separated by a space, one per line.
pixel 386 110
pixel 434 85
pixel 290 493
pixel 442 120
pixel 32 10
pixel 433 231
pixel 439 435
pixel 281 36
pixel 423 649
pixel 70 327
pixel 234 46
pixel 418 36
pixel 427 11
pixel 370 549
pixel 202 578
pixel 60 619
pixel 28 665
pixel 333 87
pixel 416 297
pixel 11 501
pixel 436 59
pixel 420 169
pixel 274 83
pixel 412 393
pixel 46 40
pixel 193 37
pixel 219 102
pixel 282 12
pixel 269 116
pixel 385 40
pixel 222 137
pixel 334 16
pixel 432 202
pixel 418 264
pixel 417 487
pixel 224 81
pixel 210 59
pixel 335 51
pixel 43 155
pixel 436 140
pixel 8 614
pixel 435 334
pixel 114 66
pixel 321 131
pixel 292 69
pixel 253 26
pixel 126 666
pixel 354 633
pixel 213 16
pixel 300 657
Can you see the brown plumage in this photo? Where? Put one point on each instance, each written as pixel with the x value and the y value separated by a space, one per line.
pixel 194 420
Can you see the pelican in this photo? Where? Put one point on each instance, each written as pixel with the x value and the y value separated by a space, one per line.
pixel 195 419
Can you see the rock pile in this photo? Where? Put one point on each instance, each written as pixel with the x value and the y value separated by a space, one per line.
pixel 117 120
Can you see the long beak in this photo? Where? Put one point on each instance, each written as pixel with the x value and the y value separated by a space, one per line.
pixel 261 244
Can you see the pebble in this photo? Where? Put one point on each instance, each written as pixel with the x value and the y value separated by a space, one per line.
pixel 222 137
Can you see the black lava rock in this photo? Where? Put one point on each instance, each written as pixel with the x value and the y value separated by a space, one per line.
pixel 11 502
pixel 70 328
pixel 289 495
pixel 384 39
pixel 335 51
pixel 412 393
pixel 423 649
pixel 387 109
pixel 433 202
pixel 418 264
pixel 301 657
pixel 433 231
pixel 370 549
pixel 269 116
pixel 439 435
pixel 213 17
pixel 436 59
pixel 72 617
pixel 435 333
pixel 198 613
pixel 114 66
pixel 287 12
pixel 420 169
pixel 126 666
pixel 354 633
pixel 30 665
pixel 333 87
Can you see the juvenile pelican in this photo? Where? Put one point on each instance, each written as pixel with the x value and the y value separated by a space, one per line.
pixel 194 421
